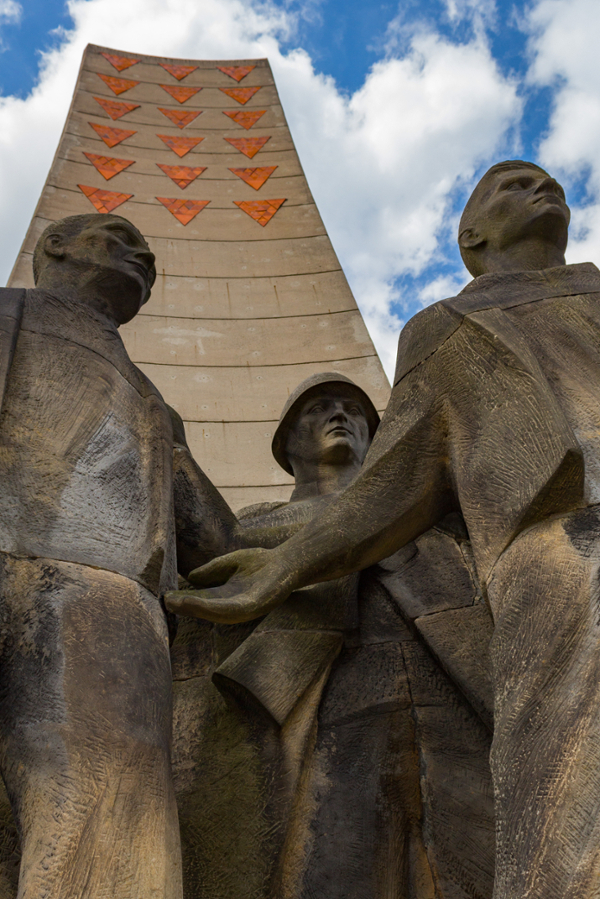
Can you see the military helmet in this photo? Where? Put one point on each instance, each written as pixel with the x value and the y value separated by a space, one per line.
pixel 299 395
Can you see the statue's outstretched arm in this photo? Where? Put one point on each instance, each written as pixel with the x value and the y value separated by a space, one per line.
pixel 402 491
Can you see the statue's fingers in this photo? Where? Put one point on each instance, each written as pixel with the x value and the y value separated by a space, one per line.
pixel 214 573
pixel 208 605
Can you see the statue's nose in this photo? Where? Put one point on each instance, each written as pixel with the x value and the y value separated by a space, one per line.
pixel 146 256
pixel 548 184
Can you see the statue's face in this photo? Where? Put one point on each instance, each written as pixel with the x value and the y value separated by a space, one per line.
pixel 522 202
pixel 331 427
pixel 113 256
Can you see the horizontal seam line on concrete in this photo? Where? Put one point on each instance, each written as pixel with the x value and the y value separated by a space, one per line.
pixel 258 364
pixel 328 271
pixel 143 203
pixel 252 486
pixel 202 240
pixel 197 181
pixel 258 318
pixel 130 75
pixel 188 130
pixel 232 277
pixel 119 98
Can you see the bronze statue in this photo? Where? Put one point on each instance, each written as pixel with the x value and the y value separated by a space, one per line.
pixel 495 415
pixel 87 546
pixel 340 759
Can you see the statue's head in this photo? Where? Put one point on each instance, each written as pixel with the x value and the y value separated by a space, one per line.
pixel 515 204
pixel 102 258
pixel 327 420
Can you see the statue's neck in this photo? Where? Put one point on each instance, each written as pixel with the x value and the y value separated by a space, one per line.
pixel 528 255
pixel 323 480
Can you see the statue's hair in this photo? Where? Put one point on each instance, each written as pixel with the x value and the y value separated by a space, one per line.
pixel 483 189
pixel 68 228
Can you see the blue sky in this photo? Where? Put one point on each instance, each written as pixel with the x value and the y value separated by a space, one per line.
pixel 419 97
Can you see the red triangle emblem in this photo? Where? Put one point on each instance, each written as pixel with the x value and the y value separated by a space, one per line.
pixel 254 177
pixel 236 72
pixel 116 110
pixel 118 85
pixel 249 146
pixel 241 94
pixel 119 62
pixel 103 200
pixel 107 166
pixel 245 117
pixel 178 72
pixel 179 117
pixel 261 212
pixel 181 94
pixel 182 175
pixel 180 145
pixel 183 210
pixel 111 136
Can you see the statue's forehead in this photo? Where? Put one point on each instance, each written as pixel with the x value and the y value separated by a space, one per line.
pixel 105 221
pixel 490 181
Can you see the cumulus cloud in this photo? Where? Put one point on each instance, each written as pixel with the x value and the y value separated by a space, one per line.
pixel 566 59
pixel 382 163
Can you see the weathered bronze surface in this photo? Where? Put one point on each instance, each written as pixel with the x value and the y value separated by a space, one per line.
pixel 494 416
pixel 327 752
pixel 87 546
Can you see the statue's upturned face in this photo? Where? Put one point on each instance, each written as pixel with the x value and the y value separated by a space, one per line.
pixel 116 259
pixel 330 428
pixel 522 202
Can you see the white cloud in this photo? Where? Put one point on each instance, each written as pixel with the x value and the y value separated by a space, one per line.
pixel 565 57
pixel 10 10
pixel 382 163
pixel 10 14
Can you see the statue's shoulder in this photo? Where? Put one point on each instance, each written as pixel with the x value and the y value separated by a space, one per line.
pixel 11 302
pixel 424 334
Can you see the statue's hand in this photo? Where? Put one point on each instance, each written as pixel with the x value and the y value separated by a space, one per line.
pixel 238 587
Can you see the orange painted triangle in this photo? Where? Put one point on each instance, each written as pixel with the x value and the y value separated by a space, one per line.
pixel 111 136
pixel 254 177
pixel 180 117
pixel 178 72
pixel 236 72
pixel 103 200
pixel 245 117
pixel 182 175
pixel 180 145
pixel 249 146
pixel 119 62
pixel 181 94
pixel 107 166
pixel 241 94
pixel 183 210
pixel 116 110
pixel 118 85
pixel 261 211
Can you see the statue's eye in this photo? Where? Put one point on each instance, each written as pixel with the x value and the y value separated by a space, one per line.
pixel 317 408
pixel 514 185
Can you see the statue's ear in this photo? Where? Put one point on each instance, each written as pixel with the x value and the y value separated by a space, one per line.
pixel 54 245
pixel 470 238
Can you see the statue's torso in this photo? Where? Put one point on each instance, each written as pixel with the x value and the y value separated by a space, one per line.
pixel 85 448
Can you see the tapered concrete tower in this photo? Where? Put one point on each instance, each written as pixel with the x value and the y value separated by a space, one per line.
pixel 250 297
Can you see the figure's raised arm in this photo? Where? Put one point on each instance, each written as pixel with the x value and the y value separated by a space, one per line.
pixel 402 490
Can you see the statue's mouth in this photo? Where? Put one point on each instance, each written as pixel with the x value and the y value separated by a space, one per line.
pixel 339 429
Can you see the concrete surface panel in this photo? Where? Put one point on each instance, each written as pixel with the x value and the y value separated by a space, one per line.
pixel 252 394
pixel 240 313
pixel 248 342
